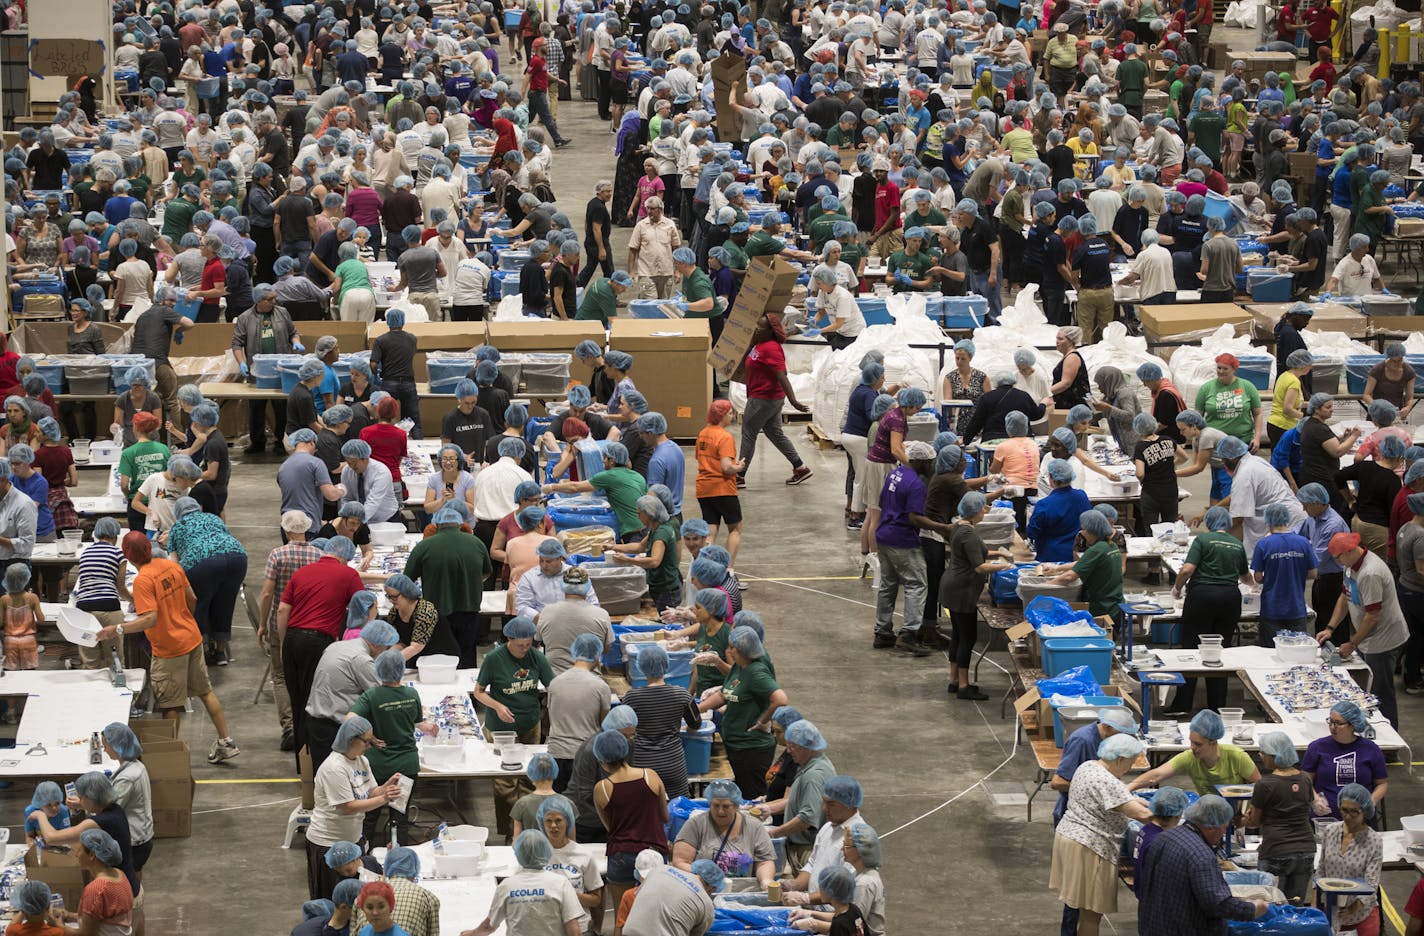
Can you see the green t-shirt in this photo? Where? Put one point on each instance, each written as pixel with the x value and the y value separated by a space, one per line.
pixel 514 682
pixel 1208 128
pixel 140 460
pixel 836 137
pixel 268 341
pixel 1219 559
pixel 622 486
pixel 707 676
pixel 1132 82
pixel 933 218
pixel 393 712
pixel 353 276
pixel 598 302
pixel 851 255
pixel 180 178
pixel 1100 571
pixel 697 287
pixel 823 229
pixel 666 576
pixel 917 266
pixel 178 218
pixel 1228 407
pixel 737 254
pixel 1232 766
pixel 1370 225
pixel 1174 92
pixel 747 691
pixel 1013 207
pixel 762 244
pixel 451 566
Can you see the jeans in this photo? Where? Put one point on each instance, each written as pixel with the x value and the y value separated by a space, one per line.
pixel 405 395
pixel 1382 665
pixel 1293 872
pixel 1412 604
pixel 764 416
pixel 900 568
pixel 297 250
pixel 979 284
pixel 539 110
pixel 218 580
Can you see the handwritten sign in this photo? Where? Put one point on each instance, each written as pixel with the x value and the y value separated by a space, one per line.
pixel 64 58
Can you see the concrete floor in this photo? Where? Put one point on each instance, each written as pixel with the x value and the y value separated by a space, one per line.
pixel 949 773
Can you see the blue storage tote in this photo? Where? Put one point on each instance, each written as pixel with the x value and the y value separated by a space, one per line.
pixel 1357 370
pixel 288 371
pixel 498 280
pixel 1269 286
pixel 513 260
pixel 1416 361
pixel 446 372
pixel 1165 632
pixel 613 656
pixel 1217 206
pixel 1064 653
pixel 648 308
pixel 963 312
pixel 697 748
pixel 36 286
pixel 1257 369
pixel 120 364
pixel 872 308
pixel 53 375
pixel 265 369
pixel 1060 736
pixel 679 671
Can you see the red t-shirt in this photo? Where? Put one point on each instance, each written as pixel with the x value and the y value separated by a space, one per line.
pixel 388 446
pixel 214 275
pixel 764 362
pixel 1415 905
pixel 53 462
pixel 108 901
pixel 887 206
pixel 1319 21
pixel 318 595
pixel 538 74
pixel 1326 72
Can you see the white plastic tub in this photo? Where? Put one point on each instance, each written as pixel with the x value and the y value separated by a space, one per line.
pixel 459 858
pixel 387 534
pixel 441 756
pixel 437 668
pixel 1413 830
pixel 1297 650
pixel 78 627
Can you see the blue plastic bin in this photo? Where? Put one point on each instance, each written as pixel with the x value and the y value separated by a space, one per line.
pixel 1257 369
pixel 571 513
pixel 288 373
pixel 679 671
pixel 53 375
pixel 1269 286
pixel 1060 737
pixel 648 308
pixel 963 312
pixel 445 373
pixel 1217 206
pixel 613 656
pixel 697 748
pixel 1165 633
pixel 872 308
pixel 1064 653
pixel 120 364
pixel 265 369
pixel 1416 361
pixel 1357 370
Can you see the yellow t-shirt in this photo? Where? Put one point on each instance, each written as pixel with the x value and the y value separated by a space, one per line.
pixel 1080 148
pixel 1284 384
pixel 1233 766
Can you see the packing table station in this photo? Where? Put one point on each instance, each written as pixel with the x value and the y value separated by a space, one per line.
pixel 59 711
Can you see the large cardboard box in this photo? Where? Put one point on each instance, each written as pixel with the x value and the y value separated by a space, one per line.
pixel 1258 63
pixel 434 336
pixel 1044 711
pixel 670 368
pixel 553 336
pixel 59 868
pixel 767 286
pixel 1394 326
pixel 1327 317
pixel 154 729
pixel 1163 322
pixel 170 778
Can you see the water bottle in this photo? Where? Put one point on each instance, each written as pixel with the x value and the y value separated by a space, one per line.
pixel 96 753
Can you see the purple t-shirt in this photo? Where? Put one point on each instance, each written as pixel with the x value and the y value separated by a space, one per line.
pixel 1145 835
pixel 904 494
pixel 892 421
pixel 1333 765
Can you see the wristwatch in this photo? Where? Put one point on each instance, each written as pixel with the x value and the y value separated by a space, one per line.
pixel 119 628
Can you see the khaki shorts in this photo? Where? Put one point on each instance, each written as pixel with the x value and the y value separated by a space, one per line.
pixel 176 679
pixel 875 475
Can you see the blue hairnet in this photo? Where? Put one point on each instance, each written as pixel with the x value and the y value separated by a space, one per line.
pixel 1210 812
pixel 1352 714
pixel 561 805
pixel 1077 414
pixel 390 666
pixel 102 846
pixel 1144 424
pixel 785 715
pixel 1149 371
pixel 403 585
pixel 713 600
pixel 695 526
pixel 1277 515
pixel 1065 437
pixel 532 849
pixel 1189 417
pixel 837 883
pixel 1094 523
pixel 47 793
pixel 610 747
pixel 314 909
pixel 587 647
pixel 95 787
pixel 520 628
pixel 1118 747
pixel 541 767
pixel 580 397
pixel 1392 446
pixel 880 406
pixel 806 735
pixel 1357 794
pixel 379 634
pixel 618 360
pixel 1313 493
pixel 356 449
pixel 1279 745
pixel 617 453
pixel 510 447
pixel 1231 448
pixel 1016 424
pixel 653 661
pixel 1217 519
pixel 402 862
pixel 1059 471
pixel 620 717
pixel 346 892
pixel 550 548
pixel 710 874
pixel 125 743
pixel 867 844
pixel 843 789
pixel 746 642
pixel 1208 724
pixel 354 727
pixel 32 898
pixel 1118 718
pixel 910 398
pixel 1169 801
pixel 358 609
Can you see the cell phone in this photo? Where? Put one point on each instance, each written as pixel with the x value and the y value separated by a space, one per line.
pixel 449 486
pixel 70 790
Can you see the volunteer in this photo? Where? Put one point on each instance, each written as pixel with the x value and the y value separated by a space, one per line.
pixel 1372 603
pixel 1344 755
pixel 1210 761
pixel 1232 404
pixel 1210 577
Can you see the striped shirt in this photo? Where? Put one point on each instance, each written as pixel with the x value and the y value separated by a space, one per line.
pixel 661 711
pixel 98 573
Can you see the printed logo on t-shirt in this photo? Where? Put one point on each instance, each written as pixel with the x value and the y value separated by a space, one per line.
pixel 1345 769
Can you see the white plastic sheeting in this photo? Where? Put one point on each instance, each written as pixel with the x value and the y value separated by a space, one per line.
pixel 1386 16
pixel 1194 365
pixel 1127 353
pixel 1021 325
pixel 1244 14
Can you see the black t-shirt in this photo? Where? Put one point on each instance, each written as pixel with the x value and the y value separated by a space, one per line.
pixel 976 241
pixel 1375 495
pixel 469 432
pixel 1189 234
pixel 362 537
pixel 1129 223
pixel 113 821
pixel 92 199
pixel 1284 805
pixel 1091 260
pixel 849 923
pixel 1278 224
pixel 494 402
pixel 639 451
pixel 328 447
pixel 561 280
pixel 1315 463
pixel 1165 409
pixel 393 355
pixel 596 218
pixel 527 461
pixel 534 285
pixel 1055 252
pixel 1158 457
pixel 215 451
pixel 275 145
pixel 46 171
pixel 293 212
pixel 1316 247
pixel 598 427
pixel 1060 162
pixel 301 408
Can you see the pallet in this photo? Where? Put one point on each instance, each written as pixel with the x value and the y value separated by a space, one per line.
pixel 818 437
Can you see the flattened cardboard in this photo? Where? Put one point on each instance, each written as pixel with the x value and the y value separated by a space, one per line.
pixel 171 784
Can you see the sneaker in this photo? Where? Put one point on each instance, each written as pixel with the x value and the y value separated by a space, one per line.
pixel 909 643
pixel 1416 689
pixel 854 523
pixel 741 482
pixel 289 742
pixel 562 143
pixel 884 641
pixel 223 749
pixel 798 475
pixel 971 693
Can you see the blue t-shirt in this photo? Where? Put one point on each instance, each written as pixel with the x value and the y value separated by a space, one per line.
pixel 951 151
pixel 329 384
pixel 459 87
pixel 1081 747
pixel 32 825
pixel 857 421
pixel 919 119
pixel 1341 189
pixel 1286 454
pixel 903 494
pixel 1270 94
pixel 667 466
pixel 1326 150
pixel 1054 523
pixel 1285 559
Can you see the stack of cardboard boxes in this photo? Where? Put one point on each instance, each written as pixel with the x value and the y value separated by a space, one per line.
pixel 767 287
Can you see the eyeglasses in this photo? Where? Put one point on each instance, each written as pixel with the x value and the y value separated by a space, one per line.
pixel 1337 723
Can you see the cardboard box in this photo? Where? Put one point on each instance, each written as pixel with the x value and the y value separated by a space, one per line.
pixel 1219 55
pixel 768 285
pixel 1394 326
pixel 1258 63
pixel 59 868
pixel 553 336
pixel 1162 322
pixel 170 778
pixel 1327 317
pixel 432 336
pixel 154 729
pixel 670 369
pixel 1044 711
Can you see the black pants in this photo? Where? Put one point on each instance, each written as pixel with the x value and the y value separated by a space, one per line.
pixel 266 253
pixel 468 313
pixel 749 767
pixel 136 520
pixel 409 400
pixel 81 420
pixel 965 635
pixel 1273 434
pixel 934 571
pixel 257 422
pixel 301 652
pixel 589 834
pixel 1324 595
pixel 217 581
pixel 1152 509
pixel 594 264
pixel 605 93
pixel 1209 609
pixel 468 627
pixel 1412 604
pixel 1055 307
pixel 1218 295
pixel 321 880
pixel 672 192
pixel 566 769
pixel 320 736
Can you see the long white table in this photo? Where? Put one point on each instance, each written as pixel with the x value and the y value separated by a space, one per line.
pixel 1234 660
pixel 63 709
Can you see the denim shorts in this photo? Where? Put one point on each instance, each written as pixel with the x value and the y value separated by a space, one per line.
pixel 620 867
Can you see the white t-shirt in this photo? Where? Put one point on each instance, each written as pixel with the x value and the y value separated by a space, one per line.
pixel 532 903
pixel 1254 487
pixel 1154 266
pixel 470 282
pixel 160 494
pixel 839 303
pixel 576 864
pixel 339 780
pixel 1356 277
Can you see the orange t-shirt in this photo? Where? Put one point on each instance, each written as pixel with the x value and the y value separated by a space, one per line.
pixel 162 587
pixel 33 928
pixel 625 906
pixel 713 444
pixel 1020 461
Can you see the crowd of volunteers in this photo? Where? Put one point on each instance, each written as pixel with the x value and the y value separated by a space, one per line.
pixel 266 155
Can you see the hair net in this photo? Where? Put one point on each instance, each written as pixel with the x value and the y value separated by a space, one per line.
pixel 1169 802
pixel 1281 748
pixel 1208 724
pixel 32 898
pixel 542 767
pixel 1352 713
pixel 843 789
pixel 1118 747
pixel 1065 437
pixel 1230 448
pixel 390 666
pixel 746 642
pixel 806 735
pixel 520 628
pixel 346 892
pixel 1382 413
pixel 709 873
pixel 1217 519
pixel 1357 794
pixel 402 862
pixel 557 804
pixel 1094 523
pixel 532 849
pixel 714 600
pixel 102 846
pixel 610 747
pixel 1059 471
pixel 1209 812
pixel 837 884
pixel 1118 718
pixel 354 727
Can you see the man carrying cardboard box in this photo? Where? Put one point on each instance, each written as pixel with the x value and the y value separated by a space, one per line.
pixel 767 388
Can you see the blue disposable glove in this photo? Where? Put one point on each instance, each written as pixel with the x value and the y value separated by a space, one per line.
pixel 1386 292
pixel 297 345
pixel 178 337
pixel 1325 295
pixel 682 307
pixel 242 368
pixel 904 279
